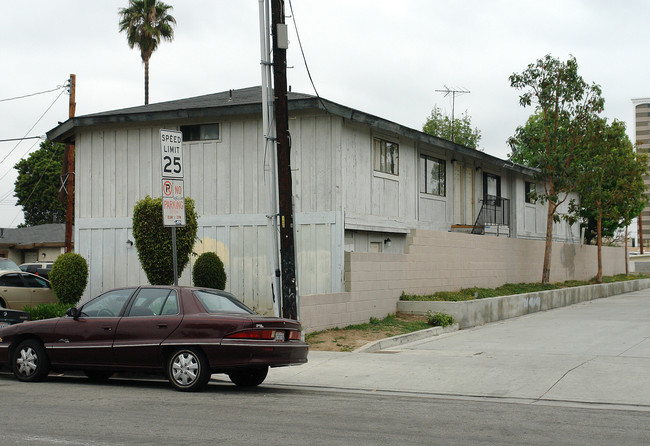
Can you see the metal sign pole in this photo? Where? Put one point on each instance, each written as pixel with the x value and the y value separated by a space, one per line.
pixel 175 256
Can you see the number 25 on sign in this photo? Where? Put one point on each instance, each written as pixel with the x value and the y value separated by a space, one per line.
pixel 171 145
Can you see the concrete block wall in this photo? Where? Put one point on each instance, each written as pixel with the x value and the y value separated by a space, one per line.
pixel 445 261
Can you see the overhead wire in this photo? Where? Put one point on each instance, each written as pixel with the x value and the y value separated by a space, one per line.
pixel 295 26
pixel 33 94
pixel 32 127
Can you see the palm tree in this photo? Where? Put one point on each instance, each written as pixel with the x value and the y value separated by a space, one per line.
pixel 146 23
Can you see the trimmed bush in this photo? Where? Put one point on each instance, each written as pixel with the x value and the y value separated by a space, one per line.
pixel 154 241
pixel 69 277
pixel 209 272
pixel 46 311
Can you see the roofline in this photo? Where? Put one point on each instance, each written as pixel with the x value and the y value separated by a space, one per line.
pixel 65 132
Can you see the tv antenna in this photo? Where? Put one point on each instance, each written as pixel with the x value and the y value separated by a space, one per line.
pixel 453 92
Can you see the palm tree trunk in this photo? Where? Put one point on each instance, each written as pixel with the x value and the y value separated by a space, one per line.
pixel 146 81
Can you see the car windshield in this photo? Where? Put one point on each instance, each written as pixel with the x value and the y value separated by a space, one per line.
pixel 221 302
pixel 8 265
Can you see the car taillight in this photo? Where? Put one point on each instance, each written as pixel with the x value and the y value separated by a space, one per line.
pixel 294 335
pixel 253 334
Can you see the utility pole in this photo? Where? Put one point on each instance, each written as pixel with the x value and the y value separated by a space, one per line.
pixel 270 163
pixel 448 91
pixel 285 192
pixel 69 180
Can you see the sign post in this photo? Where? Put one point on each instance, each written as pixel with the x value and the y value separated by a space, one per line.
pixel 173 194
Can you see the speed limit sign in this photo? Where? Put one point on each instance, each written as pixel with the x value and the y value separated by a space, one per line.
pixel 171 144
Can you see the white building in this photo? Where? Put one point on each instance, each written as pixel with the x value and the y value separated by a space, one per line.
pixel 361 183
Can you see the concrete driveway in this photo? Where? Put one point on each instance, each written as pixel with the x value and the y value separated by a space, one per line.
pixel 596 353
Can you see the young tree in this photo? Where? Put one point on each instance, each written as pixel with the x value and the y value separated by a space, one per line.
pixel 460 131
pixel 611 183
pixel 146 23
pixel 37 185
pixel 552 138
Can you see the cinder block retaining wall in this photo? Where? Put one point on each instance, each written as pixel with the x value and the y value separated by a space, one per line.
pixel 442 261
pixel 481 311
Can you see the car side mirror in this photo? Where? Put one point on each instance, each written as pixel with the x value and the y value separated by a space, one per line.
pixel 73 313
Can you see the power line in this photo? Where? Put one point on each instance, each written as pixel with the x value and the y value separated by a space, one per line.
pixel 295 26
pixel 33 94
pixel 32 128
pixel 21 139
pixel 22 156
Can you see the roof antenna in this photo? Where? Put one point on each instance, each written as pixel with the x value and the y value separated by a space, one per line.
pixel 448 91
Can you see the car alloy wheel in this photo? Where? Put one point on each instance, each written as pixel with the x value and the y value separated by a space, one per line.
pixel 30 362
pixel 188 370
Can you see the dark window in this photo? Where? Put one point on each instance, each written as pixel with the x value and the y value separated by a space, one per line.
pixel 35 282
pixel 221 302
pixel 433 176
pixel 12 280
pixel 200 132
pixel 491 185
pixel 531 192
pixel 386 156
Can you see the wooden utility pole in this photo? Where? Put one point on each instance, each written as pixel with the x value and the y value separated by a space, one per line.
pixel 285 192
pixel 69 181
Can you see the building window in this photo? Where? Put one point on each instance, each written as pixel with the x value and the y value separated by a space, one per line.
pixel 200 132
pixel 386 156
pixel 433 176
pixel 491 185
pixel 531 192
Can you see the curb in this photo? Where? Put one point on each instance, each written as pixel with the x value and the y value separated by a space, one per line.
pixel 405 338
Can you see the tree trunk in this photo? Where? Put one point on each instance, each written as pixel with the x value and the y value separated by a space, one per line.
pixel 599 225
pixel 146 82
pixel 627 272
pixel 546 270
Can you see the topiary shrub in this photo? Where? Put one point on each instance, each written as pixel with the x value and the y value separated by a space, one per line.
pixel 209 272
pixel 69 277
pixel 154 241
pixel 46 311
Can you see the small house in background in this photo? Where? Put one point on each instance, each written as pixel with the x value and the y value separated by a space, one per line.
pixel 361 183
pixel 33 243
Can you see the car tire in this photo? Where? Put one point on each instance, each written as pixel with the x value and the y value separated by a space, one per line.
pixel 188 369
pixel 249 377
pixel 30 362
pixel 98 375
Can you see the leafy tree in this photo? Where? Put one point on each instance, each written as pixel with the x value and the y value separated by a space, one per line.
pixel 555 135
pixel 611 183
pixel 37 185
pixel 589 224
pixel 146 23
pixel 154 241
pixel 460 131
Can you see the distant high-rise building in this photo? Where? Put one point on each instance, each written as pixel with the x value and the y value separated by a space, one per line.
pixel 642 140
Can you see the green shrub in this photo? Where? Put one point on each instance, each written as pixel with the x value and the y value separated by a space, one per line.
pixel 154 241
pixel 46 311
pixel 209 271
pixel 69 277
pixel 439 319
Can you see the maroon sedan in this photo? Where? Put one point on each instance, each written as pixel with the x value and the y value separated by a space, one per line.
pixel 187 333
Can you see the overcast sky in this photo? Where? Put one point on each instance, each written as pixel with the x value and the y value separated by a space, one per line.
pixel 379 56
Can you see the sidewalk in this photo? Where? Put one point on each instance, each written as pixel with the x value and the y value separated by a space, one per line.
pixel 597 352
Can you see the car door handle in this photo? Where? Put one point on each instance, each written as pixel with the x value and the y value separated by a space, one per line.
pixel 108 328
pixel 162 325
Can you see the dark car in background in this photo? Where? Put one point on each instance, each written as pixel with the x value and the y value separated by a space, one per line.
pixel 42 269
pixel 11 317
pixel 184 332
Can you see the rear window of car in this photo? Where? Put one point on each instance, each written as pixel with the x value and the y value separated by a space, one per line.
pixel 221 302
pixel 8 265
